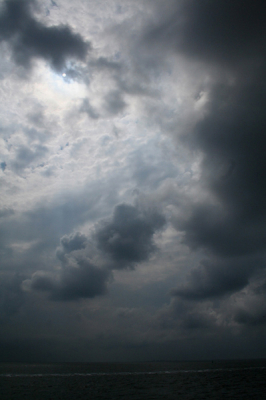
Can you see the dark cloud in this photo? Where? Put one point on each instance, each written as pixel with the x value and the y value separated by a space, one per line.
pixel 30 39
pixel 185 316
pixel 28 239
pixel 78 277
pixel 76 241
pixel 73 242
pixel 251 318
pixel 128 237
pixel 224 31
pixel 229 224
pixel 224 234
pixel 83 280
pixel 251 311
pixel 120 242
pixel 216 278
pixel 231 138
pixel 234 131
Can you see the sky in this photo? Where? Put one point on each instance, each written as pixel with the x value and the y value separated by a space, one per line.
pixel 133 170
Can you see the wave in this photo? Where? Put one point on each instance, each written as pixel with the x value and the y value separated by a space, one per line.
pixel 174 372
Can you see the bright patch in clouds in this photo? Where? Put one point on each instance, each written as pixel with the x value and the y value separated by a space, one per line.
pixel 54 88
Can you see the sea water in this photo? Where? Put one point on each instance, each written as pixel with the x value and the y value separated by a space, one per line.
pixel 147 380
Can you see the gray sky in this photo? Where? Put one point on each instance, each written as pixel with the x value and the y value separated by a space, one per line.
pixel 133 170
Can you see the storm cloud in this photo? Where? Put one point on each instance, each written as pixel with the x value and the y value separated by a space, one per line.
pixel 76 241
pixel 77 278
pixel 82 280
pixel 128 237
pixel 133 177
pixel 229 38
pixel 225 32
pixel 214 278
pixel 123 241
pixel 30 39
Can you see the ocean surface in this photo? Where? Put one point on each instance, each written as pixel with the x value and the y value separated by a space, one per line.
pixel 147 380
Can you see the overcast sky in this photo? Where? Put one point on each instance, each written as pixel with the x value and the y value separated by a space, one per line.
pixel 133 180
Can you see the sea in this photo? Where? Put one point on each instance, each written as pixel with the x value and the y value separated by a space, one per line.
pixel 235 379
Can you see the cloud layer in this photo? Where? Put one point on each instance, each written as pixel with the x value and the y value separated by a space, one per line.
pixel 132 172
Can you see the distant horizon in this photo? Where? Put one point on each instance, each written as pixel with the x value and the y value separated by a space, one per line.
pixel 136 362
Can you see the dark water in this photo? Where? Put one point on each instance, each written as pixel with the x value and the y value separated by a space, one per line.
pixel 156 380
